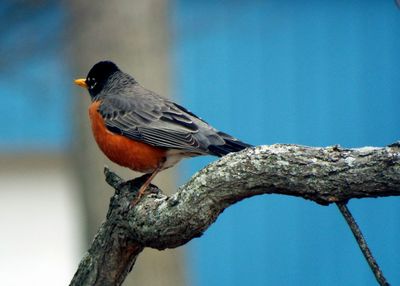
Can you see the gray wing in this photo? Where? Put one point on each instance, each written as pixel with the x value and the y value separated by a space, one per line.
pixel 151 119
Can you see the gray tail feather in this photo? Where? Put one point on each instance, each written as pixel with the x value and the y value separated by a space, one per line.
pixel 231 145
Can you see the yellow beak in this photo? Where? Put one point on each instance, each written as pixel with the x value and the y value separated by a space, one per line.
pixel 81 82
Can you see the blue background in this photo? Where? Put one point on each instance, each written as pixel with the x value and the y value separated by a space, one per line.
pixel 305 72
pixel 35 80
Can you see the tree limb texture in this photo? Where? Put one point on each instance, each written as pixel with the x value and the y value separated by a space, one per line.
pixel 362 244
pixel 323 175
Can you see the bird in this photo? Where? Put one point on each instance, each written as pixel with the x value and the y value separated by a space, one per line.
pixel 137 128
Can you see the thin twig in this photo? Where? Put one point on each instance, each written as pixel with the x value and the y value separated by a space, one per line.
pixel 362 243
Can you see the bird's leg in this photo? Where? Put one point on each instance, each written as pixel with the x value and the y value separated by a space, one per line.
pixel 146 184
pixel 148 181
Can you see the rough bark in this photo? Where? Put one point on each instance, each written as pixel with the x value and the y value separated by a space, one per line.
pixel 323 175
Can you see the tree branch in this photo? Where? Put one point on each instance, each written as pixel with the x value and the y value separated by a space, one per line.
pixel 324 175
pixel 362 244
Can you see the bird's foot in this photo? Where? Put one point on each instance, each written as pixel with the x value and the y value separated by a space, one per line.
pixel 145 186
pixel 140 193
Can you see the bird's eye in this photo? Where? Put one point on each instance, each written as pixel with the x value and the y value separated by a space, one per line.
pixel 93 83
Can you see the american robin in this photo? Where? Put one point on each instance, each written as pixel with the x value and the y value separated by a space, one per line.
pixel 138 129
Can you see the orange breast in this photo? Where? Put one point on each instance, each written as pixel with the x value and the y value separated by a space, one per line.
pixel 126 152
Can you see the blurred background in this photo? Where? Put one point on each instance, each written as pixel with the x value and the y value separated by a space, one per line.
pixel 307 72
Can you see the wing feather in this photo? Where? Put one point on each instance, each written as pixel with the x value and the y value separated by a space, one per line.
pixel 152 120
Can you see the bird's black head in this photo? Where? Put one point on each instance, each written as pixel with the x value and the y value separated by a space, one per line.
pixel 97 77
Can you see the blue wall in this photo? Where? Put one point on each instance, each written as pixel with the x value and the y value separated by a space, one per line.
pixel 306 72
pixel 35 82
